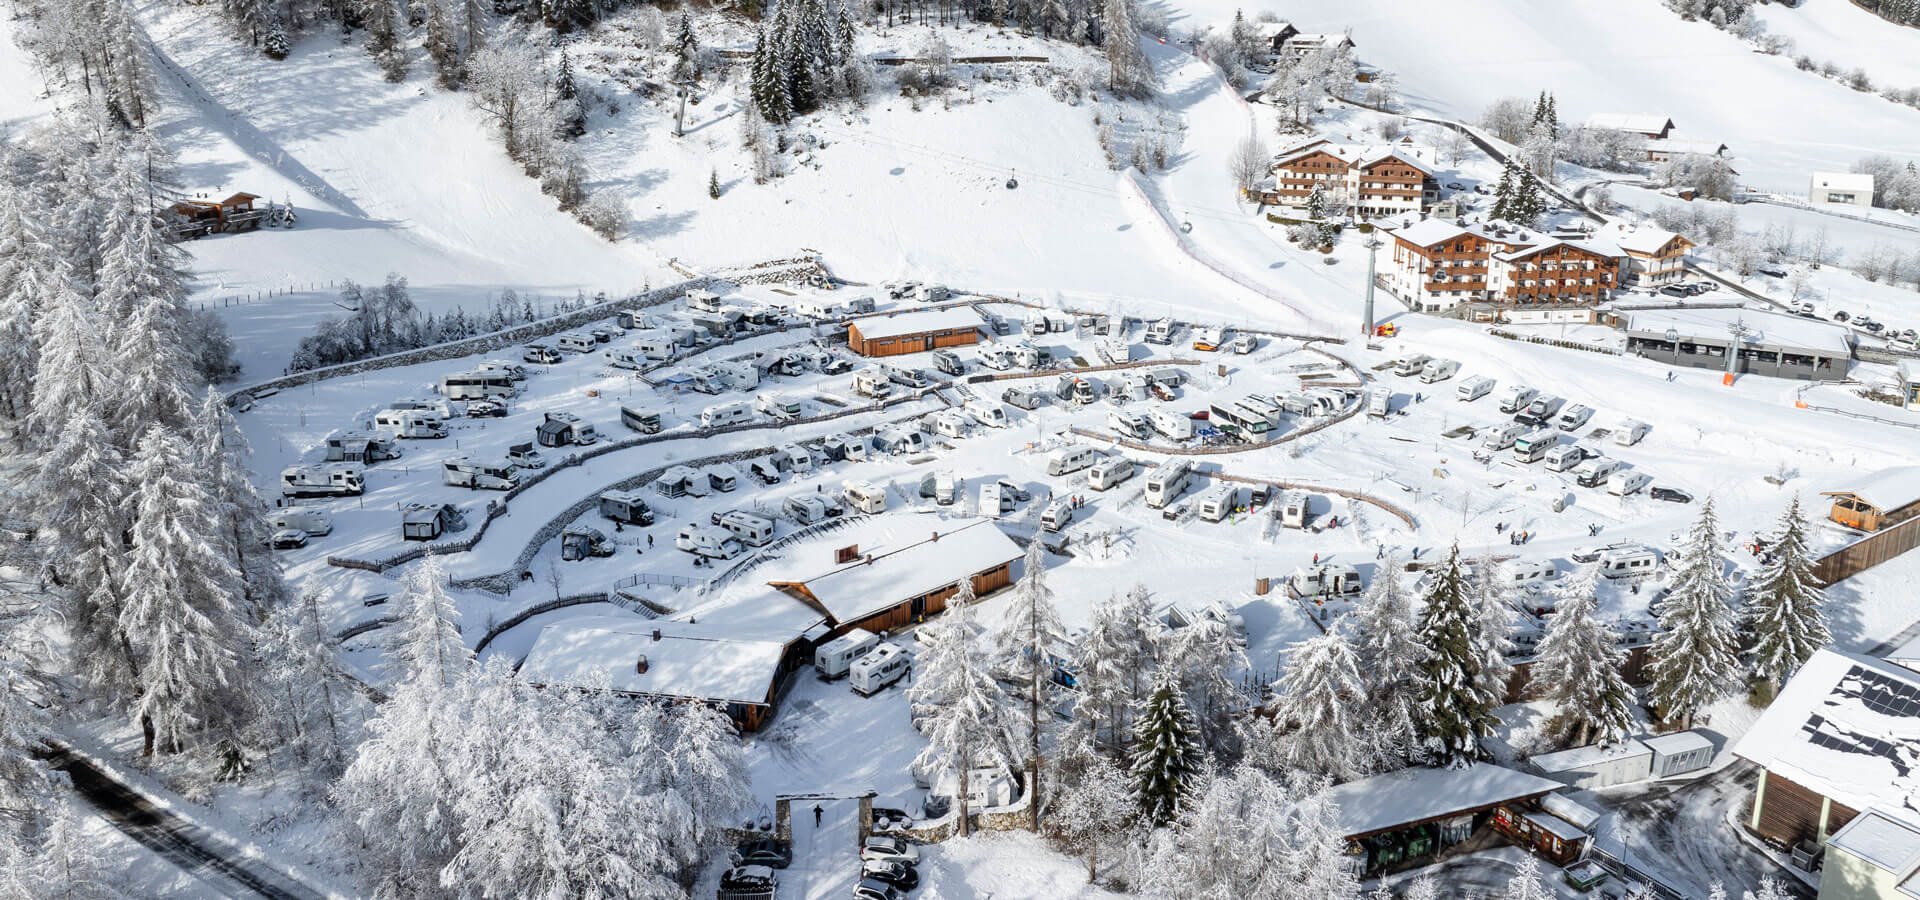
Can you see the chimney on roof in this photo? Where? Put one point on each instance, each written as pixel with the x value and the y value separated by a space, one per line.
pixel 656 634
pixel 640 666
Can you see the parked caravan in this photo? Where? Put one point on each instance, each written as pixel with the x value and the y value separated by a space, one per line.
pixel 747 528
pixel 1172 426
pixel 987 413
pixel 793 458
pixel 324 480
pixel 630 358
pixel 1161 332
pixel 807 509
pixel 489 474
pixel 1251 424
pixel 305 519
pixel 1533 446
pixel 576 342
pixel 657 346
pixel 1133 386
pixel 997 357
pixel 579 542
pixel 1218 502
pixel 1167 481
pixel 723 477
pixel 832 659
pixel 1564 457
pixel 645 421
pixel 681 481
pixel 524 456
pixel 1109 472
pixel 866 497
pixel 1573 417
pixel 632 319
pixel 994 500
pixel 560 429
pixel 898 440
pixel 721 415
pixel 1473 389
pixel 703 300
pixel 1325 581
pixel 878 670
pixel 1541 411
pixel 360 447
pixel 436 405
pixel 950 423
pixel 1114 351
pixel 1078 389
pixel 1411 364
pixel 1024 398
pixel 1129 425
pixel 948 362
pixel 1244 343
pixel 1380 402
pixel 872 382
pixel 778 406
pixel 1500 437
pixel 1515 397
pixel 1209 339
pixel 1595 472
pixel 1627 562
pixel 943 487
pixel 1057 515
pixel 1071 458
pixel 410 423
pixel 1527 573
pixel 478 386
pixel 542 354
pixel 764 471
pixel 1295 509
pixel 1630 432
pixel 1027 356
pixel 1627 483
pixel 707 541
pixel 1439 370
pixel 628 507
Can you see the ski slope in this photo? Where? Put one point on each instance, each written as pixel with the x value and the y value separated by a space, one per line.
pixel 1848 36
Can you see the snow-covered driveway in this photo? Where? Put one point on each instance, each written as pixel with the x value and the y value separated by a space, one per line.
pixel 826 858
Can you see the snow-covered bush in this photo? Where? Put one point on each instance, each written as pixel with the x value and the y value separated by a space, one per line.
pixel 605 212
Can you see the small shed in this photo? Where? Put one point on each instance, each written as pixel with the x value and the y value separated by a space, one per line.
pixel 1878 501
pixel 581 541
pixel 1598 765
pixel 426 521
pixel 1679 753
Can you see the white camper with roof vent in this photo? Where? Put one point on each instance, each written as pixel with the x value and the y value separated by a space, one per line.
pixel 1109 472
pixel 325 480
pixel 1167 481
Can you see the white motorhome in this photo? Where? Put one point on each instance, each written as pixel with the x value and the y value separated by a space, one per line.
pixel 1069 459
pixel 1627 562
pixel 721 415
pixel 951 423
pixel 1541 411
pixel 576 342
pixel 1595 472
pixel 1057 515
pixel 723 477
pixel 793 458
pixel 630 358
pixel 1630 432
pixel 1473 389
pixel 1500 437
pixel 1218 502
pixel 1515 397
pixel 703 300
pixel 489 474
pixel 779 406
pixel 1411 364
pixel 1533 446
pixel 899 440
pixel 707 541
pixel 658 346
pixel 324 480
pixel 1574 416
pixel 1109 472
pixel 1324 581
pixel 1209 338
pixel 1129 425
pixel 1114 351
pixel 514 370
pixel 987 413
pixel 628 507
pixel 1170 425
pixel 1295 509
pixel 1167 481
pixel 1627 483
pixel 645 421
pixel 1380 402
pixel 1439 370
pixel 1565 456
pixel 872 382
pixel 866 497
pixel 747 528
pixel 410 423
pixel 994 501
pixel 478 385
pixel 878 670
pixel 307 519
pixel 1527 573
pixel 1244 343
pixel 832 659
pixel 543 354
pixel 1245 421
pixel 807 509
pixel 1161 332
pixel 997 356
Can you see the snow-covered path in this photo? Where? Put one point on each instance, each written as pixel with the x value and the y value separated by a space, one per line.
pixel 1679 832
pixel 826 860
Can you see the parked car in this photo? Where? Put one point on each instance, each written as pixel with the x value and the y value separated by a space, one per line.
pixel 889 848
pixel 289 539
pixel 486 409
pixel 1841 315
pixel 1456 186
pixel 888 818
pixel 1671 495
pixel 1674 290
pixel 875 889
pixel 375 599
pixel 1874 327
pixel 763 852
pixel 1015 492
pixel 748 879
pixel 1772 271
pixel 894 872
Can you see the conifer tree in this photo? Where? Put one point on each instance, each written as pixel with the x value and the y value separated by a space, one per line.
pixel 1694 657
pixel 1577 666
pixel 957 704
pixel 1109 662
pixel 1454 712
pixel 1783 603
pixel 25 261
pixel 1493 626
pixel 1166 753
pixel 1320 703
pixel 686 50
pixel 1389 656
pixel 1030 634
pixel 1127 69
pixel 768 76
pixel 713 183
pixel 1502 208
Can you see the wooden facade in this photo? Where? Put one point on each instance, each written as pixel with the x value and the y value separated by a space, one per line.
pixel 1387 184
pixel 917 609
pixel 1787 813
pixel 918 342
pixel 1294 179
pixel 1663 265
pixel 1854 511
pixel 1868 552
pixel 1391 185
pixel 1555 273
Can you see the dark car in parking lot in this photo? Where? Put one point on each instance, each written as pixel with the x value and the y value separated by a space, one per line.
pixel 899 874
pixel 763 852
pixel 1671 495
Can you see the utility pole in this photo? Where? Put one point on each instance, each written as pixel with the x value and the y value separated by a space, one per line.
pixel 680 117
pixel 1738 330
pixel 1366 324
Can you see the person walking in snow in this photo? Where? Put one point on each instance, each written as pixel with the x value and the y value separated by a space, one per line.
pixel 816 815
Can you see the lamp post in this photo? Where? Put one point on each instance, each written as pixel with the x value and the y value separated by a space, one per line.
pixel 1366 322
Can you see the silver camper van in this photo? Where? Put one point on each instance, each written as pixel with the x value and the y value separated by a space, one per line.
pixel 492 475
pixel 987 413
pixel 1167 481
pixel 747 528
pixel 831 659
pixel 866 497
pixel 1516 397
pixel 1109 472
pixel 1057 515
pixel 1069 459
pixel 721 415
pixel 1473 389
pixel 1439 370
pixel 706 540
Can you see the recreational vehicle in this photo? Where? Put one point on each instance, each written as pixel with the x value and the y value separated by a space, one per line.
pixel 1027 356
pixel 1109 472
pixel 1057 515
pixel 747 528
pixel 627 507
pixel 765 471
pixel 987 413
pixel 997 357
pixel 681 481
pixel 1161 332
pixel 1325 581
pixel 1024 398
pixel 1129 425
pixel 1630 432
pixel 630 358
pixel 1627 483
pixel 1133 386
pixel 793 458
pixel 1170 425
pixel 1595 472
pixel 950 423
pixel 1249 424
pixel 436 405
pixel 1515 398
pixel 1439 370
pixel 324 480
pixel 410 423
pixel 866 497
pixel 1574 416
pixel 561 429
pixel 1380 402
pixel 1411 364
pixel 492 475
pixel 721 415
pixel 898 440
pixel 948 362
pixel 1500 437
pixel 645 421
pixel 1295 509
pixel 478 386
pixel 579 542
pixel 514 370
pixel 1167 481
pixel 1473 389
pixel 657 346
pixel 304 519
pixel 1564 457
pixel 1627 562
pixel 876 671
pixel 943 486
pixel 1114 351
pixel 934 293
pixel 1078 389
pixel 907 378
pixel 524 456
pixel 543 354
pixel 723 478
pixel 1218 502
pixel 1526 573
pixel 1209 339
pixel 779 407
pixel 994 501
pixel 1244 343
pixel 703 300
pixel 807 509
pixel 872 382
pixel 576 342
pixel 1533 446
pixel 360 447
pixel 707 541
pixel 631 319
pixel 832 659
pixel 1541 411
pixel 1071 458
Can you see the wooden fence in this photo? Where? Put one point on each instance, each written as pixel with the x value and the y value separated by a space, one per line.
pixel 1867 552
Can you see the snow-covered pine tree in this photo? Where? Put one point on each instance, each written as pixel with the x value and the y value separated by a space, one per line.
pixel 1493 627
pixel 443 44
pixel 1031 633
pixel 1389 655
pixel 1316 863
pixel 1090 809
pixel 383 37
pixel 1694 658
pixel 1502 208
pixel 713 183
pixel 25 785
pixel 223 454
pixel 1127 69
pixel 1166 754
pixel 250 18
pixel 1770 889
pixel 1317 202
pixel 1783 604
pixel 768 78
pixel 568 111
pixel 686 49
pixel 1525 883
pixel 128 82
pixel 1204 657
pixel 192 641
pixel 1108 662
pixel 1577 666
pixel 25 265
pixel 957 704
pixel 1454 712
pixel 142 286
pixel 68 863
pixel 1528 200
pixel 425 644
pixel 314 707
pixel 1319 706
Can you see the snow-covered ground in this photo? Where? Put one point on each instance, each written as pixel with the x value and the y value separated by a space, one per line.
pixel 1848 36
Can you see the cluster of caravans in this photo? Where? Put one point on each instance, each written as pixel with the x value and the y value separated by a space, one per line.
pixel 869 664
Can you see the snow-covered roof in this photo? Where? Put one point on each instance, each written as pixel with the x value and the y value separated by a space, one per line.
pixel 1597 248
pixel 697 662
pixel 1645 239
pixel 1883 838
pixel 1843 181
pixel 1571 810
pixel 1418 795
pixel 1887 489
pixel 1593 754
pixel 1685 145
pixel 1910 371
pixel 1764 328
pixel 1638 123
pixel 897 562
pixel 921 322
pixel 1428 232
pixel 1269 29
pixel 1312 41
pixel 1676 743
pixel 1361 156
pixel 1846 727
pixel 1907 654
pixel 1558 827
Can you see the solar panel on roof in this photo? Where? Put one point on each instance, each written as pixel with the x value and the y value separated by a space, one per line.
pixel 1882 694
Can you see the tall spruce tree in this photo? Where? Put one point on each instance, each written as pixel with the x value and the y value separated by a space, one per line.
pixel 1454 712
pixel 1127 69
pixel 1493 627
pixel 24 260
pixel 1577 666
pixel 957 704
pixel 1783 604
pixel 1030 632
pixel 769 84
pixel 1389 654
pixel 1320 704
pixel 1695 656
pixel 1165 757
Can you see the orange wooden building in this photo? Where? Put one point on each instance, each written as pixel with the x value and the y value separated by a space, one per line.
pixel 914 332
pixel 1878 501
pixel 1557 271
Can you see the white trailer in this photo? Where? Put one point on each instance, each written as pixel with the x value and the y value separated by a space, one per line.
pixel 1110 472
pixel 807 509
pixel 872 382
pixel 707 541
pixel 1628 483
pixel 866 497
pixel 1596 472
pixel 1170 425
pixel 1218 502
pixel 832 659
pixel 1161 332
pixel 478 385
pixel 645 421
pixel 1439 370
pixel 410 423
pixel 721 415
pixel 1630 432
pixel 1411 364
pixel 1380 402
pixel 488 474
pixel 576 342
pixel 1057 515
pixel 987 413
pixel 1515 397
pixel 1167 481
pixel 324 480
pixel 1325 581
pixel 951 423
pixel 1114 351
pixel 1295 509
pixel 994 501
pixel 1129 425
pixel 779 406
pixel 1473 389
pixel 1627 562
pixel 1500 437
pixel 747 528
pixel 306 519
pixel 1069 459
pixel 899 440
pixel 1024 397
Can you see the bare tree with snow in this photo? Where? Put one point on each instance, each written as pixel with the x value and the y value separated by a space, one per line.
pixel 1030 638
pixel 957 705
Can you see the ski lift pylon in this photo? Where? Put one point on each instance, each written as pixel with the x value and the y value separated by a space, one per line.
pixel 1013 181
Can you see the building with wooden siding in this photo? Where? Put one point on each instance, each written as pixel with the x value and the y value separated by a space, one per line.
pixel 1393 819
pixel 914 332
pixel 1878 501
pixel 882 579
pixel 739 673
pixel 1437 265
pixel 1841 737
pixel 1554 272
pixel 1370 181
pixel 1655 257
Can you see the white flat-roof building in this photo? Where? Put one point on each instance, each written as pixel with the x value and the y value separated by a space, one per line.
pixel 1597 765
pixel 1771 344
pixel 1851 188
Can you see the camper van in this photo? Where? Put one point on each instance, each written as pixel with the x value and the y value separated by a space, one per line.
pixel 948 362
pixel 1218 502
pixel 779 407
pixel 950 423
pixel 1057 515
pixel 305 519
pixel 1627 562
pixel 878 670
pixel 325 480
pixel 747 528
pixel 1563 457
pixel 560 429
pixel 872 382
pixel 943 486
pixel 1595 472
pixel 360 447
pixel 703 300
pixel 514 370
pixel 1541 411
pixel 576 342
pixel 1515 398
pixel 478 386
pixel 994 500
pixel 645 421
pixel 831 659
pixel 1161 332
pixel 627 507
pixel 721 415
pixel 630 358
pixel 543 354
pixel 1439 370
pixel 808 509
pixel 492 475
pixel 410 423
pixel 1114 351
pixel 1533 446
pixel 1027 356
pixel 723 477
pixel 1629 432
pixel 1024 398
pixel 707 541
pixel 764 471
pixel 793 458
pixel 1380 402
pixel 579 542
pixel 899 440
pixel 1109 472
pixel 1170 425
pixel 1071 458
pixel 1473 389
pixel 1411 364
pixel 997 357
pixel 1325 581
pixel 1627 483
pixel 1244 343
pixel 1167 481
pixel 1295 510
pixel 657 346
pixel 1500 437
pixel 866 497
pixel 631 319
pixel 1079 389
pixel 1209 339
pixel 1573 417
pixel 1252 424
pixel 1129 425
pixel 987 413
